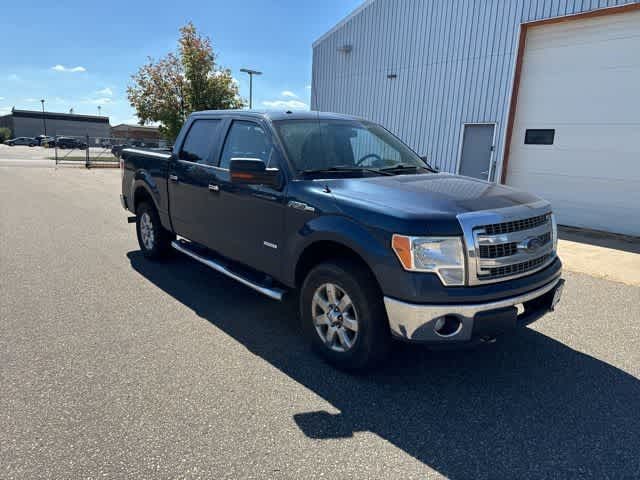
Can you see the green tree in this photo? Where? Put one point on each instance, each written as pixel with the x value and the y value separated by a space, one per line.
pixel 168 90
pixel 5 134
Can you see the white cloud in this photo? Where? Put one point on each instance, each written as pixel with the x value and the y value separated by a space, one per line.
pixel 5 110
pixel 289 93
pixel 30 100
pixel 62 68
pixel 1 98
pixel 13 77
pixel 105 91
pixel 98 101
pixel 288 104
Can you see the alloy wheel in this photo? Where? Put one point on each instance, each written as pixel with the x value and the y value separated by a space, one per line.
pixel 335 317
pixel 146 231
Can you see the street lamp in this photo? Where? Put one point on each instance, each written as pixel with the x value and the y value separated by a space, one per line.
pixel 251 74
pixel 44 118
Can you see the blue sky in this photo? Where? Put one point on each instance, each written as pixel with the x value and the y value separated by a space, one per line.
pixel 79 54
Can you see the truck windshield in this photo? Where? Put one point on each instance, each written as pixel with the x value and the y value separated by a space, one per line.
pixel 345 146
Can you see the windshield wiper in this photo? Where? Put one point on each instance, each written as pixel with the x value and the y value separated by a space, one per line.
pixel 405 166
pixel 345 168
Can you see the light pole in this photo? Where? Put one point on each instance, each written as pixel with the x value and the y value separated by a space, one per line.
pixel 44 118
pixel 251 74
pixel 99 108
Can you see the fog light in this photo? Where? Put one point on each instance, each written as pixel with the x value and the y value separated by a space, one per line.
pixel 448 326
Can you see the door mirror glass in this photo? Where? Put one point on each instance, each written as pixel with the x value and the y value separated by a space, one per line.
pixel 253 171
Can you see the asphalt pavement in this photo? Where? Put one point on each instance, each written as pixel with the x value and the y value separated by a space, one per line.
pixel 112 366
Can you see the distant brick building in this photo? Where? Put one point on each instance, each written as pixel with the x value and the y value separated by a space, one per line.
pixel 29 123
pixel 138 135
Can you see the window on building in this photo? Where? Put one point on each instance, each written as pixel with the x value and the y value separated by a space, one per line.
pixel 200 141
pixel 246 140
pixel 539 136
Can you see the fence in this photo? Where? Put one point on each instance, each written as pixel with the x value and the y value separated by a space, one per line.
pixel 92 152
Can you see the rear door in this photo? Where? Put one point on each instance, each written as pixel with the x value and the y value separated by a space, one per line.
pixel 249 219
pixel 190 175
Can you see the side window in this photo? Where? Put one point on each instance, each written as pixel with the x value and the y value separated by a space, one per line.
pixel 201 140
pixel 246 140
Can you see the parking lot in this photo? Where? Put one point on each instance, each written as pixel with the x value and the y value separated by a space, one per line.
pixel 112 366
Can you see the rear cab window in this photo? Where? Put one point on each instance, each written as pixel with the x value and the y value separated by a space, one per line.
pixel 201 140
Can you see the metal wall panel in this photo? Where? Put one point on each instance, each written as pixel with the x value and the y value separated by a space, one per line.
pixel 454 62
pixel 31 127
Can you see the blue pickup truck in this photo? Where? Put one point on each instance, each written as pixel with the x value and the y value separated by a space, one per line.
pixel 375 243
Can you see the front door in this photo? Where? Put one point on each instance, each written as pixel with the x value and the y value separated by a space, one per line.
pixel 477 150
pixel 249 218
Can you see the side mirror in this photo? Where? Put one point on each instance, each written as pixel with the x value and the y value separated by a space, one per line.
pixel 253 171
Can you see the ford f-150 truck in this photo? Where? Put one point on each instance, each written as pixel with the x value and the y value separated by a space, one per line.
pixel 376 244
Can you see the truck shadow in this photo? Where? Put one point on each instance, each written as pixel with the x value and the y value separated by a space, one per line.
pixel 528 406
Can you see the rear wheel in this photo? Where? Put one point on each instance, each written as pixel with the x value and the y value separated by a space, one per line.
pixel 343 315
pixel 154 240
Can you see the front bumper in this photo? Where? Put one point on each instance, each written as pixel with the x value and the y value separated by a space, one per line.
pixel 418 323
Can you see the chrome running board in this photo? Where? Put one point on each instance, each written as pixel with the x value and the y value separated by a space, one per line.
pixel 274 293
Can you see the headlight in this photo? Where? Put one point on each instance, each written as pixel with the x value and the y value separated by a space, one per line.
pixel 554 232
pixel 443 256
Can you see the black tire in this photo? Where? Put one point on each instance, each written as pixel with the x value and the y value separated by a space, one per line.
pixel 373 340
pixel 156 243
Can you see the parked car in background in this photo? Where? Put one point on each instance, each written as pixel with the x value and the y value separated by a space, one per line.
pixel 46 141
pixel 375 243
pixel 116 150
pixel 70 142
pixel 31 142
pixel 42 139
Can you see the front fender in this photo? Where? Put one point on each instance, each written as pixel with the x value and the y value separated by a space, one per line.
pixel 371 245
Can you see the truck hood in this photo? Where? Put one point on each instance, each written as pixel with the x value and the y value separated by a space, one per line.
pixel 432 197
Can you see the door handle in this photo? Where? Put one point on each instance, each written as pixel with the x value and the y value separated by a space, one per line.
pixel 173 178
pixel 214 188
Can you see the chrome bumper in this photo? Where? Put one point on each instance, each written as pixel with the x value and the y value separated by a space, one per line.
pixel 417 322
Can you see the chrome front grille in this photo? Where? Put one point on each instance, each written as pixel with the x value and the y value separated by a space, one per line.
pixel 507 243
pixel 508 249
pixel 516 225
pixel 517 268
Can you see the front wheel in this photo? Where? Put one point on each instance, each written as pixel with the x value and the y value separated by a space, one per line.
pixel 343 315
pixel 154 240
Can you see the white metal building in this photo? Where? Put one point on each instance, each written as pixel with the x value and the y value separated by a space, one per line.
pixel 543 95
